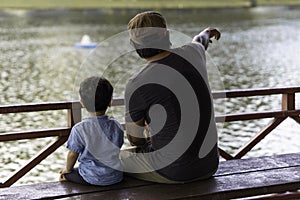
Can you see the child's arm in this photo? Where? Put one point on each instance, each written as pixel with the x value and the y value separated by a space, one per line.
pixel 71 160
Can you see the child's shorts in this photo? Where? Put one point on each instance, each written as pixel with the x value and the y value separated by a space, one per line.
pixel 75 177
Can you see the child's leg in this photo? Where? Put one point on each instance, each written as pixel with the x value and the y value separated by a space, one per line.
pixel 75 177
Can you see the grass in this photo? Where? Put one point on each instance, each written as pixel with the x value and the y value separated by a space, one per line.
pixel 94 4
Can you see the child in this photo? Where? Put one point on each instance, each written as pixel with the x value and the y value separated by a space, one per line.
pixel 96 140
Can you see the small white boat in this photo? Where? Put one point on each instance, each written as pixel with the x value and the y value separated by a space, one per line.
pixel 86 43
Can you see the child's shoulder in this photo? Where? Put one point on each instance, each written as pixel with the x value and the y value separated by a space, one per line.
pixel 82 124
pixel 115 121
pixel 77 127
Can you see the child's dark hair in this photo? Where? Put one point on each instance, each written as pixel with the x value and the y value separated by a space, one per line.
pixel 96 93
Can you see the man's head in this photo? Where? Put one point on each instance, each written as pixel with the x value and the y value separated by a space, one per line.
pixel 95 93
pixel 147 19
pixel 148 34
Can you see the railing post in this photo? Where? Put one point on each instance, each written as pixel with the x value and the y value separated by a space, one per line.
pixel 74 114
pixel 288 101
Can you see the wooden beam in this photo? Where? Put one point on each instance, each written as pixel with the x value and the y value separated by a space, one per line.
pixel 296 118
pixel 258 137
pixel 257 115
pixel 33 134
pixel 118 102
pixel 36 107
pixel 225 155
pixel 35 161
pixel 254 92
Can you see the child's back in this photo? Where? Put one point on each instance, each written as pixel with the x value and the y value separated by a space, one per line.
pixel 96 140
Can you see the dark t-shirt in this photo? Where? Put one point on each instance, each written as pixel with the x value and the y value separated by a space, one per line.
pixel 173 97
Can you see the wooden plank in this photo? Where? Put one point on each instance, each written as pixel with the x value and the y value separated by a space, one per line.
pixel 118 102
pixel 254 92
pixel 34 107
pixel 62 189
pixel 284 196
pixel 33 134
pixel 271 172
pixel 258 164
pixel 257 115
pixel 222 187
pixel 46 106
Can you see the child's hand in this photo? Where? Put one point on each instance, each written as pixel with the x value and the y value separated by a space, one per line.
pixel 62 172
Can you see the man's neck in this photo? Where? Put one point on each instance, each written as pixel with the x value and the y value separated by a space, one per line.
pixel 159 56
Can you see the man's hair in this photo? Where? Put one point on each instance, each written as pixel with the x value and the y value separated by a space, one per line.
pixel 96 93
pixel 149 42
pixel 147 19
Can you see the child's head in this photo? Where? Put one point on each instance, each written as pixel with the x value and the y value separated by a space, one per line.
pixel 96 93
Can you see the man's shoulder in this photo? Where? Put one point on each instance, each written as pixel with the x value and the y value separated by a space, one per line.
pixel 139 78
pixel 188 48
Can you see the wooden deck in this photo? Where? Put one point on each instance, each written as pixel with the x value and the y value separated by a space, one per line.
pixel 234 179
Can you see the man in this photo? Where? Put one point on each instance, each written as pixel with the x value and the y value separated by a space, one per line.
pixel 169 110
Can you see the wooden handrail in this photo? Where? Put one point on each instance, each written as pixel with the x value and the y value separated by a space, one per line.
pixel 48 106
pixel 74 116
pixel 35 107
pixel 33 134
pixel 254 92
pixel 257 115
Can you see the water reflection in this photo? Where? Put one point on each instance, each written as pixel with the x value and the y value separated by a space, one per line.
pixel 38 63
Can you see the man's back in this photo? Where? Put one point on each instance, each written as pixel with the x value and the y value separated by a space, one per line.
pixel 173 96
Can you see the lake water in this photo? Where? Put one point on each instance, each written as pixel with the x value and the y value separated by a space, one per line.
pixel 38 63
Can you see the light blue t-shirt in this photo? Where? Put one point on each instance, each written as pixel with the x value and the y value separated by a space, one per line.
pixel 98 140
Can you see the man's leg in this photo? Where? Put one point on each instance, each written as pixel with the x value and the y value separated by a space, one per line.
pixel 136 165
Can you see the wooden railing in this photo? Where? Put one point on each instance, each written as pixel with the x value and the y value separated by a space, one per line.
pixel 288 109
pixel 74 116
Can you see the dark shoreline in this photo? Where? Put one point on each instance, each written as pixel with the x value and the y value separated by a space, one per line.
pixel 134 10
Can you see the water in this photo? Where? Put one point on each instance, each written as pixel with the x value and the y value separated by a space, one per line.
pixel 38 63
